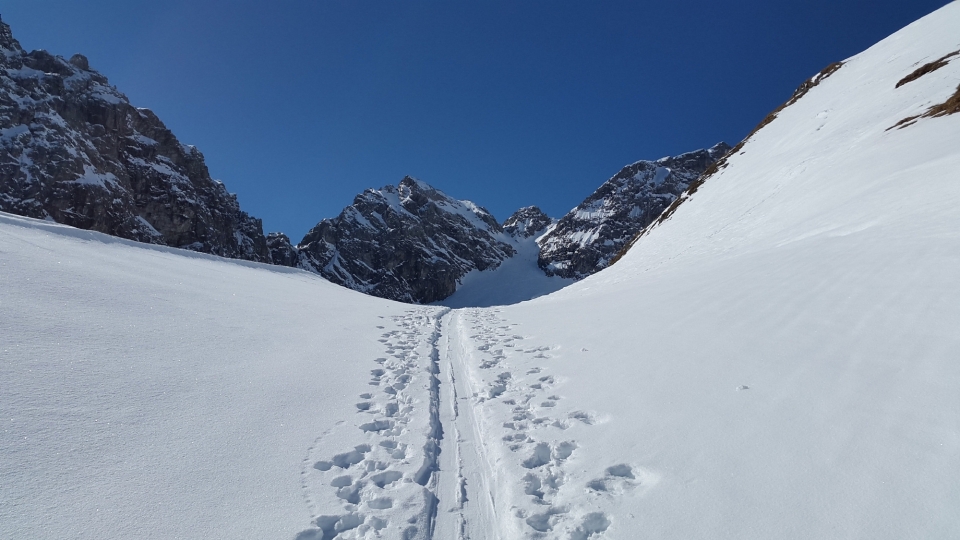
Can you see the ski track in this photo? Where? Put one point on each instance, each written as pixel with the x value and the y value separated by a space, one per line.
pixel 375 476
pixel 463 434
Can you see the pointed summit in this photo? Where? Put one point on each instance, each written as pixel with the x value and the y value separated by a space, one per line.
pixel 526 222
pixel 410 242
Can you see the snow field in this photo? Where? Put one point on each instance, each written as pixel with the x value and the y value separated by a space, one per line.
pixel 148 392
pixel 517 279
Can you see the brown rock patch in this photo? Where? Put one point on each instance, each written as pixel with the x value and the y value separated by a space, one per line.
pixel 927 68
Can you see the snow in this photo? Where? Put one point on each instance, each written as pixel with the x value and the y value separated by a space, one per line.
pixel 105 93
pixel 156 393
pixel 11 133
pixel 516 279
pixel 164 169
pixel 466 209
pixel 778 359
pixel 661 175
pixel 148 227
pixel 93 178
pixel 143 139
pixel 392 198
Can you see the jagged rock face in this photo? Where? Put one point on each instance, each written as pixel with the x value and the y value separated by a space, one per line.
pixel 526 222
pixel 586 239
pixel 282 252
pixel 73 149
pixel 410 243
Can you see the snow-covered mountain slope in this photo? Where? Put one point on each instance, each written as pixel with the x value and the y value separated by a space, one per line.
pixel 516 279
pixel 777 359
pixel 73 149
pixel 409 242
pixel 591 235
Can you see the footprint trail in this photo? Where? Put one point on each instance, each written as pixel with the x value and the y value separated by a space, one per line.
pixel 375 476
pixel 464 432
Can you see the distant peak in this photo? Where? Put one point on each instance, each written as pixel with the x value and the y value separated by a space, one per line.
pixel 526 222
pixel 720 148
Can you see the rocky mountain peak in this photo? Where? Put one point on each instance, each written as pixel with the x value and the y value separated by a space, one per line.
pixel 586 239
pixel 74 150
pixel 526 222
pixel 7 41
pixel 410 242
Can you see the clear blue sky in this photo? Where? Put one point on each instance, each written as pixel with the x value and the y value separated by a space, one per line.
pixel 300 105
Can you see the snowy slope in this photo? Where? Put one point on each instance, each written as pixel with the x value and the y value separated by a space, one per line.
pixel 151 393
pixel 778 359
pixel 594 232
pixel 517 279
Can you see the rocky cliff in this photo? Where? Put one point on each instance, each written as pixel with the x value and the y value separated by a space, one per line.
pixel 73 150
pixel 409 242
pixel 586 239
pixel 527 222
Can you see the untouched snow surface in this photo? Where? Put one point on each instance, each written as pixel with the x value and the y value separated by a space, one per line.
pixel 517 279
pixel 779 359
pixel 152 393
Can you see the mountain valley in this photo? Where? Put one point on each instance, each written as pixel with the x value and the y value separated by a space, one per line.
pixel 751 342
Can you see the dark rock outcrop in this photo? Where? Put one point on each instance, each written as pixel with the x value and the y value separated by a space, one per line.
pixel 408 242
pixel 282 252
pixel 526 222
pixel 73 149
pixel 590 236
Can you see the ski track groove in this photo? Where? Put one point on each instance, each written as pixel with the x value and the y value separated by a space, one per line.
pixel 461 436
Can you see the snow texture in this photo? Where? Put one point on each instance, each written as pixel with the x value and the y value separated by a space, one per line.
pixel 777 359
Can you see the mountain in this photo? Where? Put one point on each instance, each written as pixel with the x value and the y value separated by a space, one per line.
pixel 776 358
pixel 74 150
pixel 526 222
pixel 409 242
pixel 588 238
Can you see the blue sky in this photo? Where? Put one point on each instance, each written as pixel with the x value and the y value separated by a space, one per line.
pixel 300 105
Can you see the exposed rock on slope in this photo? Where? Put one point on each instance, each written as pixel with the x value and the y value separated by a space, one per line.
pixel 410 243
pixel 589 236
pixel 73 149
